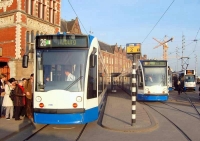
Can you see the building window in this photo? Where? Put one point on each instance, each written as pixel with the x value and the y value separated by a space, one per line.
pixel 30 43
pixel 32 36
pixel 27 6
pixel 43 13
pixel 31 7
pixel 37 33
pixel 39 10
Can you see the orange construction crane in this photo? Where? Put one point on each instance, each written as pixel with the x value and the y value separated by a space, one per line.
pixel 165 47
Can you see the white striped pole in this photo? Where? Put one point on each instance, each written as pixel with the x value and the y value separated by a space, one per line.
pixel 133 92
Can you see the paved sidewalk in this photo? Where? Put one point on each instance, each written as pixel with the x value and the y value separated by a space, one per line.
pixel 9 128
pixel 117 114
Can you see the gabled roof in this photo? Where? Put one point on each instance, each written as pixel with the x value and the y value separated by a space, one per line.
pixel 105 47
pixel 66 26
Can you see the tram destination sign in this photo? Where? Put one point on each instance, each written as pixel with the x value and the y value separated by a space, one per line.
pixel 133 48
pixel 61 41
pixel 190 72
pixel 155 63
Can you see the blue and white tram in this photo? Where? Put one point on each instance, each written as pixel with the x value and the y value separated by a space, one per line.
pixel 57 99
pixel 189 79
pixel 152 76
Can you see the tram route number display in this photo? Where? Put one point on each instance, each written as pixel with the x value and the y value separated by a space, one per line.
pixel 54 41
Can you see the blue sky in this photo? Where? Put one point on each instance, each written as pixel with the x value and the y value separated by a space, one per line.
pixel 130 21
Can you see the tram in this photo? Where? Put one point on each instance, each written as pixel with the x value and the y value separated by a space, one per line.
pixel 152 76
pixel 70 79
pixel 188 77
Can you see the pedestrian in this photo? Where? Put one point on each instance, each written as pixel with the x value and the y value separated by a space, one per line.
pixel 2 93
pixel 179 87
pixel 22 84
pixel 18 99
pixel 7 102
pixel 29 89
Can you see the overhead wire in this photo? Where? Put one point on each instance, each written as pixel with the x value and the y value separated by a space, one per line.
pixel 195 40
pixel 77 16
pixel 158 22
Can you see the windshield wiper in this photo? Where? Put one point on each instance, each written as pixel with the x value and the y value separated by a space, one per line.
pixel 75 81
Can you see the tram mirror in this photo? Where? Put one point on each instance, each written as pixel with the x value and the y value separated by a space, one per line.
pixel 25 61
pixel 92 61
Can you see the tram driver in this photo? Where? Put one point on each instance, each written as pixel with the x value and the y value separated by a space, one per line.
pixel 68 75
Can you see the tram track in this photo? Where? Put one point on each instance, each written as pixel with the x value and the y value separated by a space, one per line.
pixel 179 110
pixel 189 99
pixel 32 135
pixel 79 136
pixel 192 104
pixel 175 125
pixel 45 126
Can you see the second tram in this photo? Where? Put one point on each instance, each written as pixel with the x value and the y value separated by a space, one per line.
pixel 187 78
pixel 152 80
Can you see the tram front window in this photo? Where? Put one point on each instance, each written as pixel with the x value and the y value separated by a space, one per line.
pixel 155 76
pixel 189 78
pixel 60 70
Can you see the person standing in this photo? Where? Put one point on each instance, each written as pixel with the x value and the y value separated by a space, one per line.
pixel 179 87
pixel 2 93
pixel 29 89
pixel 18 99
pixel 22 84
pixel 7 102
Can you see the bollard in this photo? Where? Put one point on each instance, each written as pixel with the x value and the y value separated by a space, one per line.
pixel 133 93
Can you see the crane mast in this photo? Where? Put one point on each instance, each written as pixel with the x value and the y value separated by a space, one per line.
pixel 165 47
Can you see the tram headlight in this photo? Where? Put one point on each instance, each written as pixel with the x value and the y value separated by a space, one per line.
pixel 78 98
pixel 38 99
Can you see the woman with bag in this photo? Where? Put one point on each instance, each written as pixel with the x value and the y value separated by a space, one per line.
pixel 7 102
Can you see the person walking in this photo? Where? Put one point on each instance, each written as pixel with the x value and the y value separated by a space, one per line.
pixel 7 102
pixel 179 87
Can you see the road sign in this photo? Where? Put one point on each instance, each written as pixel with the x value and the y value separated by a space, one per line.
pixel 133 48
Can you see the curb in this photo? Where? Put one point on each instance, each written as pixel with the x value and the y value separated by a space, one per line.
pixel 16 132
pixel 153 126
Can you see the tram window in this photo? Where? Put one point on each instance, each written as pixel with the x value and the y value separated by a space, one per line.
pixel 92 81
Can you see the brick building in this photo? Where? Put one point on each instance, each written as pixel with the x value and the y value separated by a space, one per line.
pixel 20 22
pixel 72 26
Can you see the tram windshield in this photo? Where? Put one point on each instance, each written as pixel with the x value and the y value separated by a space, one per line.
pixel 189 78
pixel 156 76
pixel 60 70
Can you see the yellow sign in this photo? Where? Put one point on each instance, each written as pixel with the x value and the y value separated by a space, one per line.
pixel 133 48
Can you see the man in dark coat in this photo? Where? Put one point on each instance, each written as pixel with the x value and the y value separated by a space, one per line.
pixel 18 99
